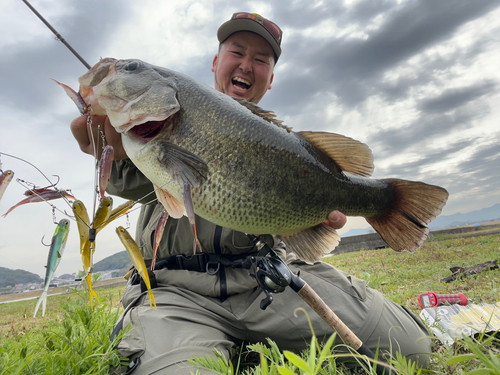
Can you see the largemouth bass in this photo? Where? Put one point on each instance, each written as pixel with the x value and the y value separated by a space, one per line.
pixel 249 172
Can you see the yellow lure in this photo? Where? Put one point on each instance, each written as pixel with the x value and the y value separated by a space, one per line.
pixel 137 260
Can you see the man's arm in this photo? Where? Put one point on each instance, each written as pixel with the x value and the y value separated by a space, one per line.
pixel 87 138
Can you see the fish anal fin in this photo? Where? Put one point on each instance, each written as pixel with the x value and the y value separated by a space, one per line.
pixel 173 207
pixel 416 204
pixel 312 244
pixel 350 155
pixel 181 164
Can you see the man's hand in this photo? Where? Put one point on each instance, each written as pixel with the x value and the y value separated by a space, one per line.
pixel 86 139
pixel 336 219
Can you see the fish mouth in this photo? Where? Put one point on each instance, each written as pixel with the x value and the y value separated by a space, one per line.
pixel 150 129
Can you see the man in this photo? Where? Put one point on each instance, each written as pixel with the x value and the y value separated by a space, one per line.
pixel 202 308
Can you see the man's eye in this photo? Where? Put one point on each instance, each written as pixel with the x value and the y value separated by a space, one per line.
pixel 236 53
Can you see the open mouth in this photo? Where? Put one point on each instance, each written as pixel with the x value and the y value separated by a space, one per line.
pixel 241 84
pixel 150 129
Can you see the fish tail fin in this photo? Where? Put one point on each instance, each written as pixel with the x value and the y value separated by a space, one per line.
pixel 43 301
pixel 416 204
pixel 312 244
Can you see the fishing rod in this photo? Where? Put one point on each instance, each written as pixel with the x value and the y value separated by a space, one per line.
pixel 273 276
pixel 58 36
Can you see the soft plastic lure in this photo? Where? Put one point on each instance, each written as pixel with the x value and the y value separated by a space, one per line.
pixel 137 260
pixel 5 179
pixel 55 253
pixel 105 166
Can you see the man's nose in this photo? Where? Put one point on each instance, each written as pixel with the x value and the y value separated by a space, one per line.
pixel 246 65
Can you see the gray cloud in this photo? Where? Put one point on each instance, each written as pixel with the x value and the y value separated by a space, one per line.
pixel 352 68
pixel 426 128
pixel 457 97
pixel 414 168
pixel 33 63
pixel 319 81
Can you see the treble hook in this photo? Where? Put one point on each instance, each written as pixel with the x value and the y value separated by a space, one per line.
pixel 42 241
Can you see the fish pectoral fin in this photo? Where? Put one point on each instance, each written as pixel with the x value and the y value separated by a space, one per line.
pixel 182 165
pixel 313 243
pixel 416 204
pixel 174 208
pixel 350 155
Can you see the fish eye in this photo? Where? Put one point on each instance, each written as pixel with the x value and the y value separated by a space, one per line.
pixel 132 66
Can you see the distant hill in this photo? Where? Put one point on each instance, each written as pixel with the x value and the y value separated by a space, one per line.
pixel 456 220
pixel 114 262
pixel 67 276
pixel 473 217
pixel 13 277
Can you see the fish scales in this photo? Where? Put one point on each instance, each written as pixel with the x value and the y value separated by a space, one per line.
pixel 248 172
pixel 241 177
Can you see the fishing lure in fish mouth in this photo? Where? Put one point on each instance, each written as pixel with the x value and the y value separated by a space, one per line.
pixel 75 97
pixel 57 246
pixel 137 260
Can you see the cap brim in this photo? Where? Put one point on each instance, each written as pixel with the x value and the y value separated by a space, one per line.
pixel 233 26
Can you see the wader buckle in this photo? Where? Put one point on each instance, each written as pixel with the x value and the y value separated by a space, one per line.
pixel 213 267
pixel 195 262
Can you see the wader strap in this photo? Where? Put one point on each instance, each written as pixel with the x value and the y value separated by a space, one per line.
pixel 201 262
pixel 222 271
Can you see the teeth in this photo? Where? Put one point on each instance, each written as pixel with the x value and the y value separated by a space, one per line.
pixel 242 81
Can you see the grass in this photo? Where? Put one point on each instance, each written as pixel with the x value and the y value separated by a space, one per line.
pixel 73 338
pixel 75 335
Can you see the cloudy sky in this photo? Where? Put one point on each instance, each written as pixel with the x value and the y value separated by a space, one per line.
pixel 417 81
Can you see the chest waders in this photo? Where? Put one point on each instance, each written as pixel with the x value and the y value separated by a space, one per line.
pixel 272 276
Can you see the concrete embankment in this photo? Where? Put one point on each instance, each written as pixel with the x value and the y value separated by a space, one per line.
pixel 373 241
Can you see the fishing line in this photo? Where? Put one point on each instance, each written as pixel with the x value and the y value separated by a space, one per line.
pixel 89 123
pixel 27 162
pixel 58 36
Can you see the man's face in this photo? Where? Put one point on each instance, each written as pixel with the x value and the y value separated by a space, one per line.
pixel 244 66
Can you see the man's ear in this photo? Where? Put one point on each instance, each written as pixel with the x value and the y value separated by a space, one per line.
pixel 270 81
pixel 214 63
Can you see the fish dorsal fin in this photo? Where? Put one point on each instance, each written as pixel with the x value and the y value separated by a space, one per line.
pixel 174 208
pixel 269 116
pixel 350 155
